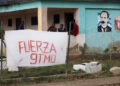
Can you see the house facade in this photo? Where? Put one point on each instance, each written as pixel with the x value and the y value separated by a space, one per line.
pixel 90 15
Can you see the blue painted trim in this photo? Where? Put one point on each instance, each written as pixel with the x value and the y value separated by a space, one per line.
pixel 21 6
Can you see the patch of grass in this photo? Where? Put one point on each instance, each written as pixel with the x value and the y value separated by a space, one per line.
pixel 37 72
pixel 43 71
pixel 9 75
pixel 44 74
pixel 106 74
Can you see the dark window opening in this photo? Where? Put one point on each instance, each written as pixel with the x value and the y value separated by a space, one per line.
pixel 34 21
pixel 9 22
pixel 56 18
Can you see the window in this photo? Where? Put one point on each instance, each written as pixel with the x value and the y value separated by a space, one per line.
pixel 56 18
pixel 9 22
pixel 34 20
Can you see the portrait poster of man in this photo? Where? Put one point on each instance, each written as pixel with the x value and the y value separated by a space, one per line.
pixel 104 24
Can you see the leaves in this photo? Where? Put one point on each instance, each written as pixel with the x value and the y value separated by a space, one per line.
pixel 111 50
pixel 115 48
pixel 106 50
pixel 2 32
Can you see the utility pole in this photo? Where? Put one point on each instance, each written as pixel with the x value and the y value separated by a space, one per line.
pixel 68 48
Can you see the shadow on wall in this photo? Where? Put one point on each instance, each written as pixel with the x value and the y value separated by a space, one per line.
pixel 93 50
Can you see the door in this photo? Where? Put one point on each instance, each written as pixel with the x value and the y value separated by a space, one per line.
pixel 68 18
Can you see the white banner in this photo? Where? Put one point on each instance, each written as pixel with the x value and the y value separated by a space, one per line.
pixel 35 48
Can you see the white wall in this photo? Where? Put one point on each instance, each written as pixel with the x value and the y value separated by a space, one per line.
pixel 76 16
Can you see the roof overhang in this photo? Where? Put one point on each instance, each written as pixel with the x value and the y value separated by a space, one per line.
pixel 9 2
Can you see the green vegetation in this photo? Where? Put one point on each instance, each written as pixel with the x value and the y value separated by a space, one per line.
pixel 54 73
pixel 2 31
pixel 111 51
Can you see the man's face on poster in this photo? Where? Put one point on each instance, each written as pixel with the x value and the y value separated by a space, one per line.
pixel 104 18
pixel 104 25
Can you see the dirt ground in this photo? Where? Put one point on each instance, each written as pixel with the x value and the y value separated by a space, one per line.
pixel 110 81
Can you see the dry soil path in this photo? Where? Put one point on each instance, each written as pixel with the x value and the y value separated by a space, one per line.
pixel 110 81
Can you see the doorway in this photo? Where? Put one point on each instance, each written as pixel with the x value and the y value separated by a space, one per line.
pixel 18 22
pixel 68 18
